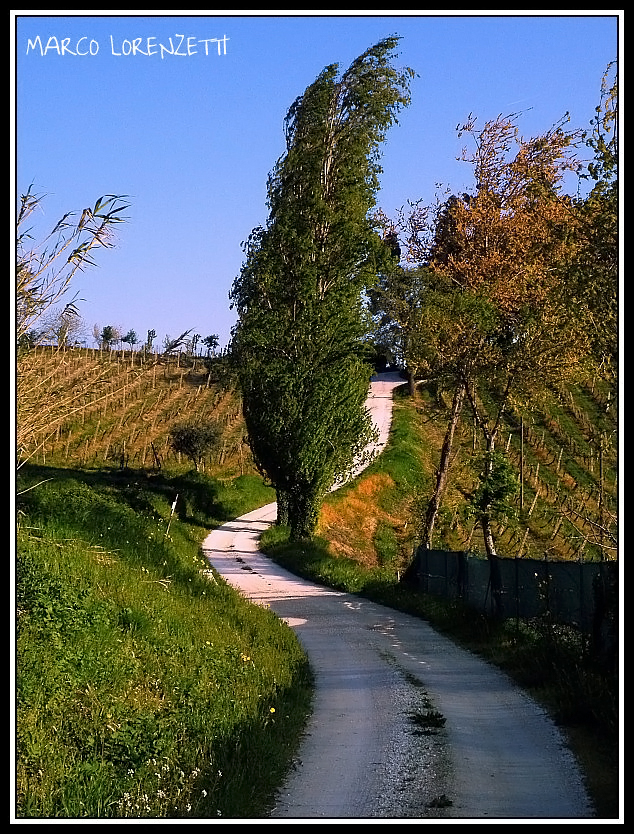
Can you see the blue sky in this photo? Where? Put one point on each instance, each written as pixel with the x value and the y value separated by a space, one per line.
pixel 191 137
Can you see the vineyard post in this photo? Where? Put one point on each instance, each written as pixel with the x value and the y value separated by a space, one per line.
pixel 171 514
pixel 521 463
pixel 601 500
pixel 530 512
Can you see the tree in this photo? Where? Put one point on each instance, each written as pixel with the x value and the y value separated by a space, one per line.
pixel 596 267
pixel 490 501
pixel 108 335
pixel 68 326
pixel 397 303
pixel 211 343
pixel 130 338
pixel 194 439
pixel 299 346
pixel 44 271
pixel 151 335
pixel 29 340
pixel 500 317
pixel 64 325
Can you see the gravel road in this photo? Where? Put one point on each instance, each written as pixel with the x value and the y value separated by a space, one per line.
pixel 405 724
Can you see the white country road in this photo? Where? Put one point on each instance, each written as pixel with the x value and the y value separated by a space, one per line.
pixel 405 724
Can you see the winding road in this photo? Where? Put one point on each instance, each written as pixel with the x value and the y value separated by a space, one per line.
pixel 405 725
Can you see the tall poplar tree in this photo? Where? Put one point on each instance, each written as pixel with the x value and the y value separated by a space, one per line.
pixel 300 340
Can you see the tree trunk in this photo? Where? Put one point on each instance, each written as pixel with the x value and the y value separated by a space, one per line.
pixel 489 543
pixel 411 383
pixel 494 567
pixel 282 507
pixel 303 513
pixel 443 468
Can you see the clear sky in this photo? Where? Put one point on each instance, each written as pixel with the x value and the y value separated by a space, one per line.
pixel 190 137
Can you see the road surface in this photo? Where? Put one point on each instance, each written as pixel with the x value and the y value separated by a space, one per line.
pixel 405 724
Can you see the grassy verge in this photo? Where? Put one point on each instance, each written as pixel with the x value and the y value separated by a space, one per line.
pixel 551 663
pixel 145 687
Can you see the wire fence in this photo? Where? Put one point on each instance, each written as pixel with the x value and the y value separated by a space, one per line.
pixel 579 594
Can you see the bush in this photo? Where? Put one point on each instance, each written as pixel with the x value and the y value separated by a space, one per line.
pixel 194 439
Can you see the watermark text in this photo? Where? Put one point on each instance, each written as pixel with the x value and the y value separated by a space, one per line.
pixel 183 46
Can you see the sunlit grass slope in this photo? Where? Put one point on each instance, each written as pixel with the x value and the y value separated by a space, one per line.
pixel 145 686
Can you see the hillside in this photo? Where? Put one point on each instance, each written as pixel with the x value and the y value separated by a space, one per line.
pixel 92 412
pixel 92 409
pixel 566 508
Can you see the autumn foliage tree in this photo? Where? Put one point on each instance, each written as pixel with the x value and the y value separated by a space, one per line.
pixel 499 316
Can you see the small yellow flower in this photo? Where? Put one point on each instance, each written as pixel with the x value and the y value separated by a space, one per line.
pixel 272 709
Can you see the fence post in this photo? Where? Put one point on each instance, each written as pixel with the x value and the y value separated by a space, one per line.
pixel 581 606
pixel 521 463
pixel 517 593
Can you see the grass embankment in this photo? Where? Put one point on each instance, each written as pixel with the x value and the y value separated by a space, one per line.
pixel 551 663
pixel 145 688
pixel 118 651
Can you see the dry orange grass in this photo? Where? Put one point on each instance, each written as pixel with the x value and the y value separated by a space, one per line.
pixel 349 521
pixel 82 407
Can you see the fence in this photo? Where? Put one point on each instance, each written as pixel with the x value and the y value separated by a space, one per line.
pixel 581 594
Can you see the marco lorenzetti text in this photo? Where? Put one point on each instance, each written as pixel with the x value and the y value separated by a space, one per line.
pixel 184 46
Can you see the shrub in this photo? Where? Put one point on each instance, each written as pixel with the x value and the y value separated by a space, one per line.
pixel 194 439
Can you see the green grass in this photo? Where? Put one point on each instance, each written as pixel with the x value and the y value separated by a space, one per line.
pixel 552 663
pixel 145 687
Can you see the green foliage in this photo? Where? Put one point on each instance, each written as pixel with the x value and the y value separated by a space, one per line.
pixel 595 271
pixel 211 343
pixel 146 687
pixel 194 439
pixel 299 345
pixel 498 483
pixel 397 303
pixel 130 338
pixel 151 335
pixel 108 335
